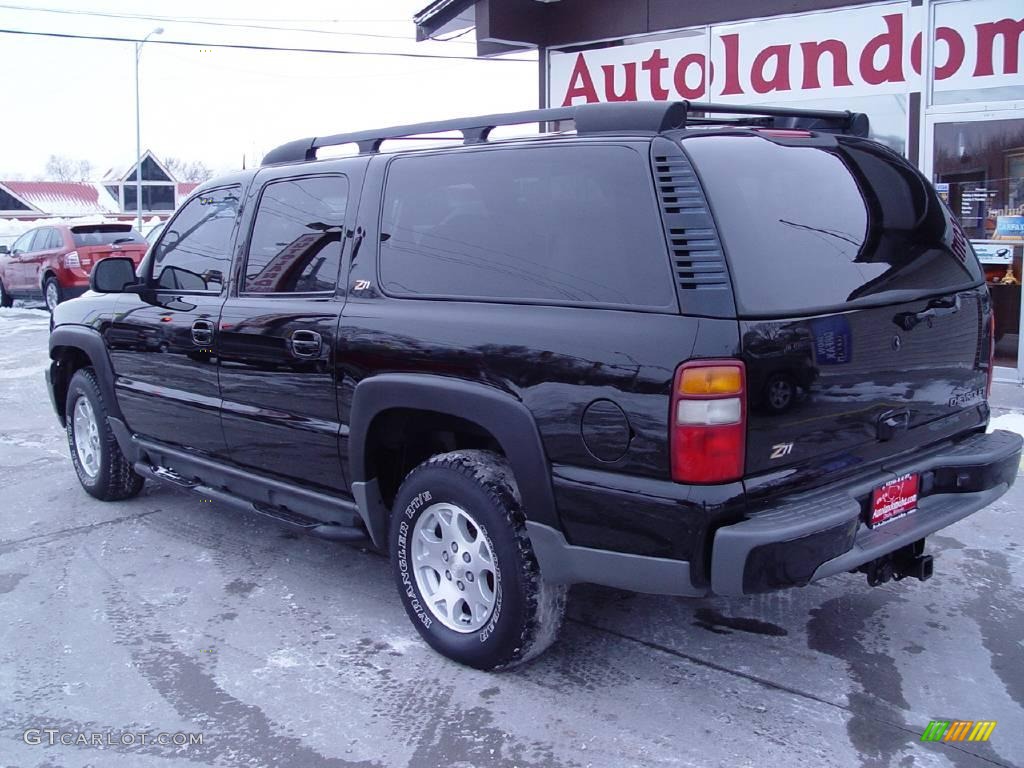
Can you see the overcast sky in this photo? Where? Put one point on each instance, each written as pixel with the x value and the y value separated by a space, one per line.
pixel 77 97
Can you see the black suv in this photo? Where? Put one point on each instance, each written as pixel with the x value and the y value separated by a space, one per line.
pixel 680 348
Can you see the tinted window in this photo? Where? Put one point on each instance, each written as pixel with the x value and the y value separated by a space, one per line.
pixel 296 239
pixel 568 224
pixel 815 227
pixel 56 240
pixel 194 252
pixel 39 240
pixel 104 234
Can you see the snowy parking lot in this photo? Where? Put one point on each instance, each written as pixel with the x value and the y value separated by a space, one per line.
pixel 170 614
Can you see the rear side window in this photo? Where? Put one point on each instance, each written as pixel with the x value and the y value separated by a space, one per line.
pixel 195 250
pixel 297 236
pixel 565 225
pixel 808 228
pixel 104 234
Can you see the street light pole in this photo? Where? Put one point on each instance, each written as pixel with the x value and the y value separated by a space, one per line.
pixel 138 131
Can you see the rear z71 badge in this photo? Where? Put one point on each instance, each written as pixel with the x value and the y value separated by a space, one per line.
pixel 780 450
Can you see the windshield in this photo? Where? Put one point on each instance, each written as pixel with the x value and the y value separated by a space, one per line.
pixel 815 227
pixel 105 234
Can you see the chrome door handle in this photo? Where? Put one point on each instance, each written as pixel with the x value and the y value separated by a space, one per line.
pixel 202 333
pixel 306 343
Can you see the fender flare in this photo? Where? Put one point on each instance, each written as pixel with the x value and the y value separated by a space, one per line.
pixel 507 419
pixel 91 343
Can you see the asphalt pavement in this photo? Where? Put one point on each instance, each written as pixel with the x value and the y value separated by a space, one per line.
pixel 166 619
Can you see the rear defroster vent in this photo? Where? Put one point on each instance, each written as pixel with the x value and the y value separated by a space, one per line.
pixel 697 258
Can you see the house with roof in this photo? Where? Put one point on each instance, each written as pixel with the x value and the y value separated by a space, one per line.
pixel 114 196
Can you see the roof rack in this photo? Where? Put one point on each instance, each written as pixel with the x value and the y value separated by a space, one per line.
pixel 618 117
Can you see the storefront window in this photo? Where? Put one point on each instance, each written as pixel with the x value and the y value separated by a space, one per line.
pixel 979 170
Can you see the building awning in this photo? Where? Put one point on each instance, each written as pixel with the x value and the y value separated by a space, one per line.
pixel 444 17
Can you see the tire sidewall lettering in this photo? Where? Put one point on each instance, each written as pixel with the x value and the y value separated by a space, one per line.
pixel 403 568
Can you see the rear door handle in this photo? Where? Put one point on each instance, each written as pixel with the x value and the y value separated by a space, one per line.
pixel 202 333
pixel 306 343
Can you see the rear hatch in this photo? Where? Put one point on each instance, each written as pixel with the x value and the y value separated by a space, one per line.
pixel 98 241
pixel 864 318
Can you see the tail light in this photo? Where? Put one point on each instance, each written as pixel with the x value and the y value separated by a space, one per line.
pixel 709 421
pixel 71 260
pixel 991 353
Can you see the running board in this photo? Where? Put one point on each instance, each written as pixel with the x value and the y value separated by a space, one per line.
pixel 312 526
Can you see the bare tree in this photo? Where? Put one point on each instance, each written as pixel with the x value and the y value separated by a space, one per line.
pixel 60 168
pixel 64 168
pixel 186 171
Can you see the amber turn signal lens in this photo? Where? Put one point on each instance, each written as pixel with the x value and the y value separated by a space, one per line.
pixel 711 380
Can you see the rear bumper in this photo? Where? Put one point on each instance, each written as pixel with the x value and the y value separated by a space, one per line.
pixel 814 535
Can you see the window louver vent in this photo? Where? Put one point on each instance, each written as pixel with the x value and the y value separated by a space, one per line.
pixel 696 251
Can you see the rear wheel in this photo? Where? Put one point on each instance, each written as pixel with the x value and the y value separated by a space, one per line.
pixel 102 469
pixel 52 293
pixel 464 566
pixel 6 300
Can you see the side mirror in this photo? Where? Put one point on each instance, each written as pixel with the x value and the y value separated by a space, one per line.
pixel 112 275
pixel 3 250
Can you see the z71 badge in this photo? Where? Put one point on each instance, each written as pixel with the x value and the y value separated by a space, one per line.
pixel 780 450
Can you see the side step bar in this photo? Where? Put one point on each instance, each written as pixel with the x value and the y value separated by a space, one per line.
pixel 318 528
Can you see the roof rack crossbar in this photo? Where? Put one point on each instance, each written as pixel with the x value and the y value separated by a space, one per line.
pixel 643 116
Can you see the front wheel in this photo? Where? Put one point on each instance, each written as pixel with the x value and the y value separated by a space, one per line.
pixel 464 565
pixel 102 469
pixel 6 300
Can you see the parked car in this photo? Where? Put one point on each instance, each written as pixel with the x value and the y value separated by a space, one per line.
pixel 53 262
pixel 516 365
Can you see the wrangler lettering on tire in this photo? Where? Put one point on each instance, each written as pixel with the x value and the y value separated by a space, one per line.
pixel 464 566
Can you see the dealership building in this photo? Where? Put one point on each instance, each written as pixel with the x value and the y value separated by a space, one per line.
pixel 942 82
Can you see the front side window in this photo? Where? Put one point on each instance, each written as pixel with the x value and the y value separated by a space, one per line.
pixel 297 237
pixel 562 225
pixel 195 250
pixel 24 243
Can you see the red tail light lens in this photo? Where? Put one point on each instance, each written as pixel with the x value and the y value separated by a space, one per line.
pixel 708 421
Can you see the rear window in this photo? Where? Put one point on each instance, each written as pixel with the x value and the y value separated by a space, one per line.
pixel 105 234
pixel 559 225
pixel 809 228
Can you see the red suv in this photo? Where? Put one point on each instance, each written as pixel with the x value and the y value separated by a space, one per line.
pixel 53 262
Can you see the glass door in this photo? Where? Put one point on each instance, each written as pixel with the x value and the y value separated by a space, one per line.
pixel 977 166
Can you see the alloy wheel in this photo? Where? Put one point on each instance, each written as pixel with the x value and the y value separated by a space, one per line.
pixel 454 567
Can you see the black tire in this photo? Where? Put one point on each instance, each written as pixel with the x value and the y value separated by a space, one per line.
pixel 46 292
pixel 6 300
pixel 527 612
pixel 113 479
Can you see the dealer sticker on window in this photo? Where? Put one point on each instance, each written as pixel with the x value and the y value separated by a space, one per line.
pixel 894 500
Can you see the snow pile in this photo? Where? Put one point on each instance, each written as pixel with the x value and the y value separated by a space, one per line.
pixel 1014 422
